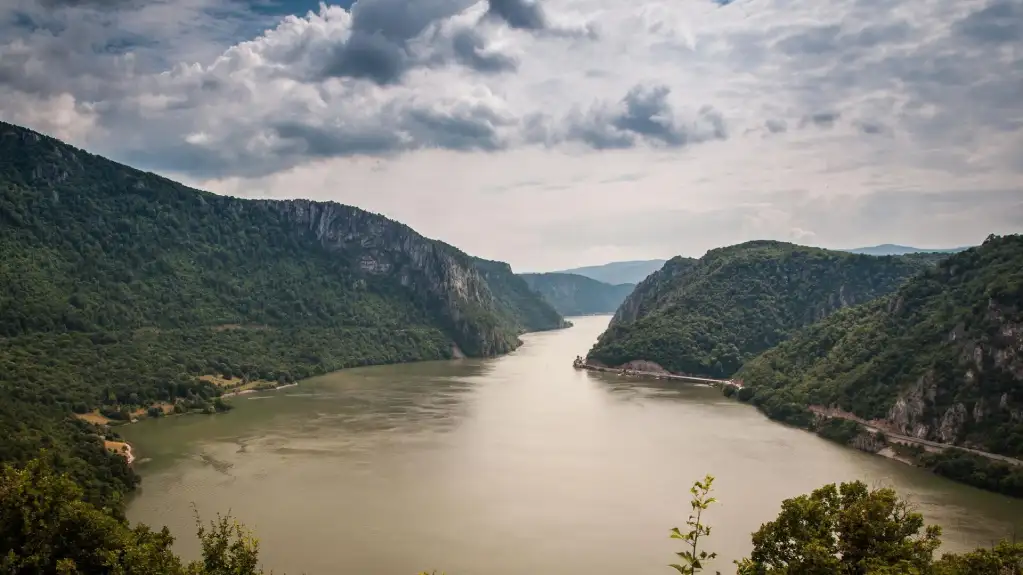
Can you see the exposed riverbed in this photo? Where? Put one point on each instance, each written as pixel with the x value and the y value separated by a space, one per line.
pixel 519 464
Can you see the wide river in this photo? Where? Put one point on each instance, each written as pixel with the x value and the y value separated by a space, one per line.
pixel 505 466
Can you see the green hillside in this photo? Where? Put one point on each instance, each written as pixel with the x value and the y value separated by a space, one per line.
pixel 119 289
pixel 572 294
pixel 708 316
pixel 940 359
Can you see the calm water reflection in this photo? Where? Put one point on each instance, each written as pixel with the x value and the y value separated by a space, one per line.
pixel 514 465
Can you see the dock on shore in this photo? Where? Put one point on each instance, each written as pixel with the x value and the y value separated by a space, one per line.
pixel 581 363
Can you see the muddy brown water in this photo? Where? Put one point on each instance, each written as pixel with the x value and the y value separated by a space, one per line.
pixel 513 465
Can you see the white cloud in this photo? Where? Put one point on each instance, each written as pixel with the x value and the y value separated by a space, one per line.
pixel 561 133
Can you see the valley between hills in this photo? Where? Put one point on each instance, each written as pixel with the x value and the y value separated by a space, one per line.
pixel 128 296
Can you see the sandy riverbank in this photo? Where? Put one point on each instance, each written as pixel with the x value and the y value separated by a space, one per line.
pixel 121 448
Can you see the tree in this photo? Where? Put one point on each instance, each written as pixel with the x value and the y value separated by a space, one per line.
pixel 843 530
pixel 228 548
pixel 692 558
pixel 46 527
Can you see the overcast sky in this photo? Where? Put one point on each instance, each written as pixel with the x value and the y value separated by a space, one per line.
pixel 555 133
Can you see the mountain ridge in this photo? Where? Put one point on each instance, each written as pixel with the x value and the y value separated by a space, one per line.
pixel 898 250
pixel 617 273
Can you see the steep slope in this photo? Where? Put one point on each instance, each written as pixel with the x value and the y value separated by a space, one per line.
pixel 617 273
pixel 896 250
pixel 119 289
pixel 520 306
pixel 708 316
pixel 653 292
pixel 940 359
pixel 572 294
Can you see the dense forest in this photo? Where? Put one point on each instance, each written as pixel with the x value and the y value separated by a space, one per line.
pixel 572 294
pixel 708 316
pixel 123 293
pixel 941 358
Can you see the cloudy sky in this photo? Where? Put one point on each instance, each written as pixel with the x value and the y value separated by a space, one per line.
pixel 554 133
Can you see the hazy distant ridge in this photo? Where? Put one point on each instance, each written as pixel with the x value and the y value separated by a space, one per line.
pixel 616 273
pixel 897 250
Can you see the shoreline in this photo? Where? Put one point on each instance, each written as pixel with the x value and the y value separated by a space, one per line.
pixel 581 364
pixel 869 432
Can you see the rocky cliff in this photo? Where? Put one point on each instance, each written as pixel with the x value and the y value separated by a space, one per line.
pixel 129 216
pixel 940 359
pixel 708 316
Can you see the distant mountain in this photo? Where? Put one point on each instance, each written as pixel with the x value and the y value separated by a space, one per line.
pixel 897 250
pixel 710 315
pixel 572 294
pixel 617 273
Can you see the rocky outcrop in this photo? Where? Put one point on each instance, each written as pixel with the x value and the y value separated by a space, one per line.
pixel 944 411
pixel 438 275
pixel 869 442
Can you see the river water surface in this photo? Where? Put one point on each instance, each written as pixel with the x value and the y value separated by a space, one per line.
pixel 508 466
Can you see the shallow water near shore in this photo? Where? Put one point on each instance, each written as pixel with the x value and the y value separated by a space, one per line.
pixel 518 464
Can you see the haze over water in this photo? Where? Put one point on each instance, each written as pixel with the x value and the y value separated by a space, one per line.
pixel 518 464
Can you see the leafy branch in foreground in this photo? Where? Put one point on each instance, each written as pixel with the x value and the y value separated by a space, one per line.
pixel 692 557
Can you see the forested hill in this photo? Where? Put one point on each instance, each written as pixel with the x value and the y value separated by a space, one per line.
pixel 708 316
pixel 940 359
pixel 524 307
pixel 119 289
pixel 572 294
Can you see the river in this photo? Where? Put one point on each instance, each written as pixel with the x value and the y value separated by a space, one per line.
pixel 505 466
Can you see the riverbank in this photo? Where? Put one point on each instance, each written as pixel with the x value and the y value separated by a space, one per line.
pixel 121 448
pixel 895 437
pixel 985 470
pixel 580 363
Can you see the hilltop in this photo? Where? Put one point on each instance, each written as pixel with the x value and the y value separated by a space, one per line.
pixel 708 316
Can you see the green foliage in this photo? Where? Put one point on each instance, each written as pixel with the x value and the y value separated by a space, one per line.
pixel 119 289
pixel 572 294
pixel 1005 558
pixel 228 548
pixel 947 336
pixel 692 557
pixel 843 530
pixel 710 315
pixel 975 470
pixel 46 527
pixel 838 430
